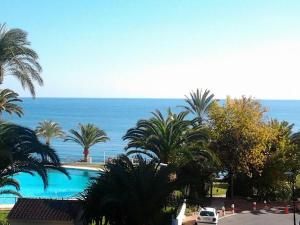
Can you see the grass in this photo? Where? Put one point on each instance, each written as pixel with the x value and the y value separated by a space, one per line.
pixel 298 181
pixel 3 217
pixel 219 189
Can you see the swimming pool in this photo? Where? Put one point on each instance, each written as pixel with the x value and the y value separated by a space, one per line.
pixel 59 185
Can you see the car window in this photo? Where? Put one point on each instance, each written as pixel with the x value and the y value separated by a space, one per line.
pixel 206 213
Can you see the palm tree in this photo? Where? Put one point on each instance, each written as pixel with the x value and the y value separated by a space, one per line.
pixel 49 129
pixel 198 104
pixel 21 151
pixel 7 181
pixel 128 193
pixel 7 102
pixel 87 136
pixel 165 138
pixel 18 59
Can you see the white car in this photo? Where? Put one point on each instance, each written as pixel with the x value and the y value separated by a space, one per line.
pixel 207 216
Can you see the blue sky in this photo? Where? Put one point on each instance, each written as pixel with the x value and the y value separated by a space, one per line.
pixel 161 48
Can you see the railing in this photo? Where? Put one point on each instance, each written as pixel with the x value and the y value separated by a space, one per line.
pixel 180 216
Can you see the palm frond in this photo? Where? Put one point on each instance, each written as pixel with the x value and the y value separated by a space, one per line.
pixel 18 59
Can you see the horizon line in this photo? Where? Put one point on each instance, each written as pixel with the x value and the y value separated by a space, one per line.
pixel 154 98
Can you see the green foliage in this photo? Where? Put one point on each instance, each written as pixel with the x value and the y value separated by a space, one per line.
pixel 272 182
pixel 175 140
pixel 7 181
pixel 130 194
pixel 8 100
pixel 197 168
pixel 49 129
pixel 3 217
pixel 255 152
pixel 165 138
pixel 297 184
pixel 198 104
pixel 21 151
pixel 240 136
pixel 18 59
pixel 219 188
pixel 87 136
pixel 280 192
pixel 297 192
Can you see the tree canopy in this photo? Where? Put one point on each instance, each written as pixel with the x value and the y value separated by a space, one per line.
pixel 21 151
pixel 165 137
pixel 49 129
pixel 18 59
pixel 240 135
pixel 128 193
pixel 87 136
pixel 8 102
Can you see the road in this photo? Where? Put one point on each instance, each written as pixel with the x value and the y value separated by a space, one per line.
pixel 259 219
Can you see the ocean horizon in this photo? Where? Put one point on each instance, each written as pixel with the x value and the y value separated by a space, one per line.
pixel 116 116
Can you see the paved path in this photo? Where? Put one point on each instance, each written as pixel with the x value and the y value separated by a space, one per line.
pixel 259 219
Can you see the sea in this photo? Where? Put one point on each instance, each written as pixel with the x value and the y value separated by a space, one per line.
pixel 115 117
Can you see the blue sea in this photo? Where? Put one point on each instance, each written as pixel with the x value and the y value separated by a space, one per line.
pixel 115 116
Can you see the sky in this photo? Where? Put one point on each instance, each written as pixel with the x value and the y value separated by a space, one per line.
pixel 161 48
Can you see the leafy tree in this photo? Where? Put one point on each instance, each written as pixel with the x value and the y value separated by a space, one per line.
pixel 240 136
pixel 8 100
pixel 21 151
pixel 129 193
pixel 271 182
pixel 49 129
pixel 165 138
pixel 18 59
pixel 87 136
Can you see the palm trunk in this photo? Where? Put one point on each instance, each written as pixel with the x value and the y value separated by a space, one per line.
pixel 47 141
pixel 1 74
pixel 231 185
pixel 86 155
pixel 48 144
pixel 211 187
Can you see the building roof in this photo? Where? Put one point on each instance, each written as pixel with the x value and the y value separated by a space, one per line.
pixel 45 209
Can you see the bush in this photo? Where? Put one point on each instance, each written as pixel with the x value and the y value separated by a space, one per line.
pixel 280 192
pixel 3 217
pixel 297 193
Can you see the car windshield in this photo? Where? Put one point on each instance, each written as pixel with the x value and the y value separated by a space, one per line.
pixel 206 213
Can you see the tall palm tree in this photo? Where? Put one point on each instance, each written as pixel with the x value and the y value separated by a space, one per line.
pixel 87 136
pixel 18 59
pixel 8 100
pixel 164 138
pixel 198 104
pixel 21 151
pixel 49 129
pixel 128 193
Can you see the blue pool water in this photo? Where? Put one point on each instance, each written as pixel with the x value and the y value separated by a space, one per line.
pixel 59 185
pixel 115 116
